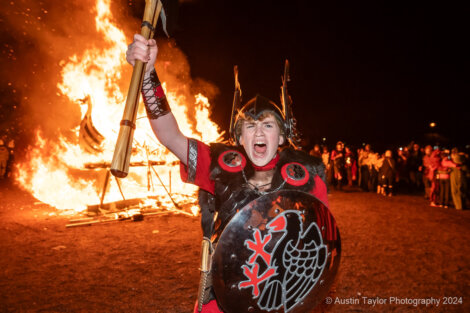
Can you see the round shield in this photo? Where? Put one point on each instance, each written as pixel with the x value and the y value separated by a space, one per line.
pixel 280 253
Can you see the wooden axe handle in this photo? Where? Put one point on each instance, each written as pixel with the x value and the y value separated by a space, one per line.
pixel 122 151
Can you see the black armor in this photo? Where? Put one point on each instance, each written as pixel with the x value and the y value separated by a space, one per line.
pixel 232 191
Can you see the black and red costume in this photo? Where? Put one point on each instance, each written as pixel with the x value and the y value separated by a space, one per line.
pixel 222 172
pixel 224 188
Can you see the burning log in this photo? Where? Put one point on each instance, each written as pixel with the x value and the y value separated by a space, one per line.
pixel 149 164
pixel 135 213
pixel 100 208
pixel 92 166
pixel 114 206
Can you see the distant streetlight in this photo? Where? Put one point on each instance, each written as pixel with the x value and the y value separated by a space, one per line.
pixel 324 139
pixel 432 125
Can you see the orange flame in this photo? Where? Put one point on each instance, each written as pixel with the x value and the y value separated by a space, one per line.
pixel 55 172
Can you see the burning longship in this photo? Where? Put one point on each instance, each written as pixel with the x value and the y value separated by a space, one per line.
pixel 72 172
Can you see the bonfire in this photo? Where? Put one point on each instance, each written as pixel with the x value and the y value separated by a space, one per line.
pixel 71 172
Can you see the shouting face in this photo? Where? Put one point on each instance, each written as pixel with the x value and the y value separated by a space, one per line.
pixel 261 138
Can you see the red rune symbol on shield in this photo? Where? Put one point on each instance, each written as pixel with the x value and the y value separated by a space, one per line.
pixel 257 247
pixel 254 279
pixel 251 272
pixel 293 267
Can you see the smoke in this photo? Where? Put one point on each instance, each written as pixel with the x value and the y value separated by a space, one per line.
pixel 39 39
pixel 173 68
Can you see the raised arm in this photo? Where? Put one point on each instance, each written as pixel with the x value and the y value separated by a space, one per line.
pixel 161 119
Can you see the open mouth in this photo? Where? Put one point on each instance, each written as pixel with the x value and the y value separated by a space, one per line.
pixel 260 147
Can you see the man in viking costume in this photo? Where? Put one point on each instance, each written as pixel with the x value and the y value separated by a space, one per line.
pixel 270 242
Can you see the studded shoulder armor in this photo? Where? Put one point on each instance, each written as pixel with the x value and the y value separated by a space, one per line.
pixel 230 169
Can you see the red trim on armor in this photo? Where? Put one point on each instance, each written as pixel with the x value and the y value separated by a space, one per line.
pixel 320 191
pixel 210 307
pixel 288 176
pixel 232 168
pixel 269 166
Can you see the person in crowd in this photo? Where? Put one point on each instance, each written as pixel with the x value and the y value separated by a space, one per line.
pixel 338 160
pixel 350 166
pixel 325 156
pixel 387 174
pixel 431 163
pixel 401 170
pixel 458 179
pixel 443 178
pixel 4 156
pixel 364 167
pixel 375 182
pixel 316 152
pixel 415 163
pixel 428 172
pixel 359 175
pixel 375 162
pixel 11 149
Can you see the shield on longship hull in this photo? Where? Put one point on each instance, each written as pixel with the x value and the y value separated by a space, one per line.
pixel 280 253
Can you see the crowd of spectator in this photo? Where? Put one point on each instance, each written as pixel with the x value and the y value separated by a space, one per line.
pixel 438 173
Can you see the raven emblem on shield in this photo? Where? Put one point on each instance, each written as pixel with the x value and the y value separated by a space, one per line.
pixel 291 269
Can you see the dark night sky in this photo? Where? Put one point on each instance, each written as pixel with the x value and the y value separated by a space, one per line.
pixel 361 71
pixel 377 71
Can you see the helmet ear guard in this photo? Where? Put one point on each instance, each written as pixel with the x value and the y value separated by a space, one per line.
pixel 258 105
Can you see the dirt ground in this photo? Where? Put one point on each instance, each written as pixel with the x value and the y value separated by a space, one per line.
pixel 394 249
